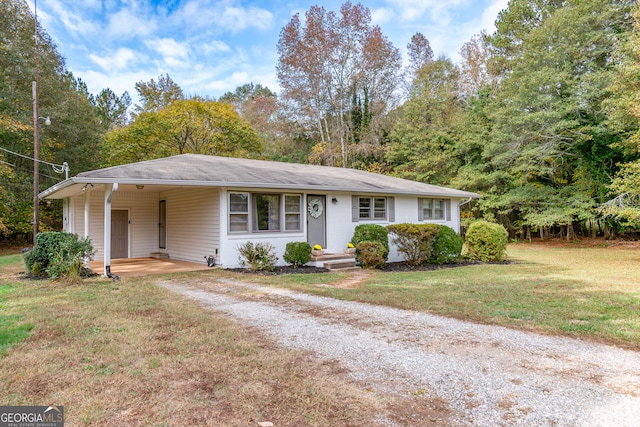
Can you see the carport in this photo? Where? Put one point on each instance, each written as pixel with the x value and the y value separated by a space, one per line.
pixel 137 267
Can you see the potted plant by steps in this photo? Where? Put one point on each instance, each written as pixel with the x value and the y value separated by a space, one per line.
pixel 351 249
pixel 317 250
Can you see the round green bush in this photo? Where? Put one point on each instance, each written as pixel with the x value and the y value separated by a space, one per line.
pixel 486 241
pixel 58 254
pixel 371 254
pixel 447 246
pixel 297 253
pixel 371 233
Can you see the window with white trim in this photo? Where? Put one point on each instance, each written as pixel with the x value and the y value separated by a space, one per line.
pixel 433 209
pixel 373 208
pixel 292 212
pixel 264 212
pixel 238 212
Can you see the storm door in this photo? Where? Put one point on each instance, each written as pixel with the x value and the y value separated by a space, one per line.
pixel 316 220
pixel 119 234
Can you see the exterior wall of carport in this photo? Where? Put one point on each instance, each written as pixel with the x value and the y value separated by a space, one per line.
pixel 339 225
pixel 192 221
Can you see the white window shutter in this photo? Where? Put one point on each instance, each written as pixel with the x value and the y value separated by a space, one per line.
pixel 448 209
pixel 420 209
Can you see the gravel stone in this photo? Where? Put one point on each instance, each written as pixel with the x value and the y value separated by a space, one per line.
pixel 489 375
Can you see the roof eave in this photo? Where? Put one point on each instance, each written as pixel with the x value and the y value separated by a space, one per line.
pixel 181 183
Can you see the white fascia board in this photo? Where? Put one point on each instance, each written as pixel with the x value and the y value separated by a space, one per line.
pixel 245 185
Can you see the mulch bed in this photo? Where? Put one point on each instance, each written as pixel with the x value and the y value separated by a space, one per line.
pixel 286 269
pixel 388 267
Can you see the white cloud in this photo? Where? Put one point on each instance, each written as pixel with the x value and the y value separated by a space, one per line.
pixel 117 82
pixel 74 23
pixel 214 46
pixel 118 61
pixel 490 14
pixel 224 16
pixel 382 16
pixel 126 24
pixel 238 19
pixel 168 47
pixel 413 10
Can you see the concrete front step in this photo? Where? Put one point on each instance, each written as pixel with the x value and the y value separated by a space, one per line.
pixel 335 265
pixel 334 262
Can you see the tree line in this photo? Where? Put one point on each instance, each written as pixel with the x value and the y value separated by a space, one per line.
pixel 540 117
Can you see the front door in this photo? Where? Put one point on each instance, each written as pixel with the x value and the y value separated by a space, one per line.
pixel 316 224
pixel 119 234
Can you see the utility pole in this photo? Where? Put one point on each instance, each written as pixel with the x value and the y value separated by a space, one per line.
pixel 36 134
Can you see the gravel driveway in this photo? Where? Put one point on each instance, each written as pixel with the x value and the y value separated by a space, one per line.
pixel 487 375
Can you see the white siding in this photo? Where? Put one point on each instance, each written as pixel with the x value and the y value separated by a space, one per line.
pixel 340 226
pixel 197 223
pixel 143 220
pixel 228 256
pixel 193 223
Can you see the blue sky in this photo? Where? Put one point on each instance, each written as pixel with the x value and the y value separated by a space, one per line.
pixel 209 47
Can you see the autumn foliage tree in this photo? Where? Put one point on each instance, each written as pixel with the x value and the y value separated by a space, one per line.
pixel 185 126
pixel 334 67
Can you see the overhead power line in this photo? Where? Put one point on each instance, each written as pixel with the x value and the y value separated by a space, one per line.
pixel 64 167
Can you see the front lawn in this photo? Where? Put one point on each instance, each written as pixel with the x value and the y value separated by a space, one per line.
pixel 132 353
pixel 590 292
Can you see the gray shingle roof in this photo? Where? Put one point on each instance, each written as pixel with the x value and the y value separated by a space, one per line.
pixel 214 171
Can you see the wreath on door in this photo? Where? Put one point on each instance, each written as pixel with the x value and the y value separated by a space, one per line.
pixel 315 208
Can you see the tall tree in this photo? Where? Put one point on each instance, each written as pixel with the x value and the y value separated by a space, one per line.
pixel 419 53
pixel 424 138
pixel 187 126
pixel 113 109
pixel 474 71
pixel 554 59
pixel 74 133
pixel 156 95
pixel 624 118
pixel 258 105
pixel 324 62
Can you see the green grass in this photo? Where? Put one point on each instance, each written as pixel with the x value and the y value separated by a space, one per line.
pixel 12 328
pixel 583 292
pixel 133 353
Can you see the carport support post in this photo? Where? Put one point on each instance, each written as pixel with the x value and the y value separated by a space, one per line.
pixel 86 212
pixel 86 220
pixel 109 190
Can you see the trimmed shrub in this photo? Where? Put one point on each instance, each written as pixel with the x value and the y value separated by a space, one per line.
pixel 257 256
pixel 447 246
pixel 371 254
pixel 486 241
pixel 371 233
pixel 414 241
pixel 58 255
pixel 297 253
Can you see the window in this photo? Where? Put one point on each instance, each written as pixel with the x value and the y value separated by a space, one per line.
pixel 379 208
pixel 266 212
pixel 372 208
pixel 365 207
pixel 292 213
pixel 369 208
pixel 238 212
pixel 432 209
pixel 256 212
